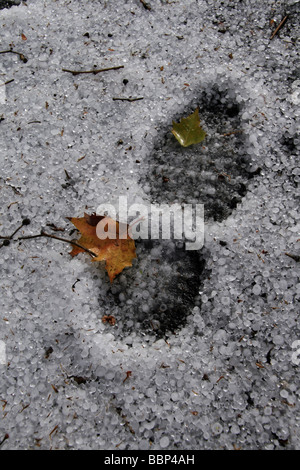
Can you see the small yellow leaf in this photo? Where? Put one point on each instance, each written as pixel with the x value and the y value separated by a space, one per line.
pixel 188 131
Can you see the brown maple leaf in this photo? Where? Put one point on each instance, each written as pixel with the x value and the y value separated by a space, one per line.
pixel 117 252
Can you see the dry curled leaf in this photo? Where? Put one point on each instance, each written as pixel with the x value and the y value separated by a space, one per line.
pixel 188 131
pixel 117 252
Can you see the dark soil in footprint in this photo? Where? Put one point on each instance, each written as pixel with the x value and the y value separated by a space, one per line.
pixel 156 294
pixel 8 3
pixel 213 173
pixel 180 273
pixel 160 290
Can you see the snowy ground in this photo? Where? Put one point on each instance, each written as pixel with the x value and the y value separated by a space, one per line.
pixel 204 352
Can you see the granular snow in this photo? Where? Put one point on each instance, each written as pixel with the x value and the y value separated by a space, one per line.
pixel 201 354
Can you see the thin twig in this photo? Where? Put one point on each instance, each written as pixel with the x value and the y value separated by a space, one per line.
pixel 48 235
pixel 56 229
pixel 17 229
pixel 14 189
pixel 279 27
pixel 4 439
pixel 9 237
pixel 8 81
pixel 67 174
pixel 145 5
pixel 128 99
pixel 227 134
pixel 294 257
pixel 22 57
pixel 77 72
